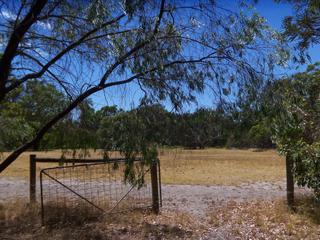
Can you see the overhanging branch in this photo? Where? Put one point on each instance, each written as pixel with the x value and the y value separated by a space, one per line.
pixel 14 155
pixel 59 56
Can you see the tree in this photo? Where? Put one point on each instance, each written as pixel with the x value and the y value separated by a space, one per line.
pixel 156 121
pixel 200 129
pixel 253 114
pixel 303 27
pixel 145 125
pixel 88 46
pixel 26 109
pixel 127 133
pixel 297 132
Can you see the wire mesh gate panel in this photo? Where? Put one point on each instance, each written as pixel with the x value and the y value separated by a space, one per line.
pixel 87 190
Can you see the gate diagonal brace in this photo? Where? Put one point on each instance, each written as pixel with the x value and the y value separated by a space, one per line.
pixel 124 196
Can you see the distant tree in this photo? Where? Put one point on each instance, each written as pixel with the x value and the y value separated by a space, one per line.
pixel 27 108
pixel 156 121
pixel 107 111
pixel 150 125
pixel 14 130
pixel 202 128
pixel 87 126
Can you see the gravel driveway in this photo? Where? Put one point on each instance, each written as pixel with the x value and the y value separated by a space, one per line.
pixel 194 199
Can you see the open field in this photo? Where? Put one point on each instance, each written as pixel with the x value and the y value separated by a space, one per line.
pixel 221 166
pixel 203 167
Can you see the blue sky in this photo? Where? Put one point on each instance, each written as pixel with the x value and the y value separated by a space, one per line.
pixel 128 96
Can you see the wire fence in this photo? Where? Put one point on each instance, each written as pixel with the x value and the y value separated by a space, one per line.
pixel 89 189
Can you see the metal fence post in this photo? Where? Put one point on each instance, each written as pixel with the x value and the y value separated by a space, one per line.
pixel 155 187
pixel 32 175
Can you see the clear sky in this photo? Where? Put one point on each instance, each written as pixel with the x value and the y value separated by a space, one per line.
pixel 128 96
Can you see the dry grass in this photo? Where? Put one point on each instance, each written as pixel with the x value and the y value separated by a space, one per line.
pixel 250 220
pixel 20 168
pixel 267 220
pixel 206 167
pixel 20 221
pixel 220 166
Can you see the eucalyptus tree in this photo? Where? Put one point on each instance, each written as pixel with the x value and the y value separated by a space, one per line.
pixel 302 29
pixel 169 49
pixel 297 128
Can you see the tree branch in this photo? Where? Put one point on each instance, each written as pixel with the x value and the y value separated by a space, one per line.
pixel 58 56
pixel 14 41
pixel 14 155
pixel 136 48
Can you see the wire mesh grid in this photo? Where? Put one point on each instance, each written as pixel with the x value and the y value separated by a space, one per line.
pixel 91 189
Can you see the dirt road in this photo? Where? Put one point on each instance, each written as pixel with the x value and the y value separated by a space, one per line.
pixel 194 199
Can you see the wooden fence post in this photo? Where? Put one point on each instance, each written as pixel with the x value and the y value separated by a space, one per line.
pixel 32 175
pixel 155 187
pixel 290 182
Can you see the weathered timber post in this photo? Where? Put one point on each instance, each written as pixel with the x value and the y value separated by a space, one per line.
pixel 155 187
pixel 32 175
pixel 290 181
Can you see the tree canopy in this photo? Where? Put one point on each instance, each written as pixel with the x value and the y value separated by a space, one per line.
pixel 296 130
pixel 170 50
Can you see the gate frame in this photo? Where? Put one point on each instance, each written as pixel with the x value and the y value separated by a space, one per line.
pixel 33 160
pixel 155 172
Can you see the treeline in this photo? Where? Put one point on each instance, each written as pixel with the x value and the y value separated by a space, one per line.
pixel 242 125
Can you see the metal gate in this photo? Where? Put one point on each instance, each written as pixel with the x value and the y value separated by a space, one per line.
pixel 87 190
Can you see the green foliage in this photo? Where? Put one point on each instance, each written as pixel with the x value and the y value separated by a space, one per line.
pixel 302 28
pixel 128 134
pixel 14 129
pixel 260 134
pixel 149 125
pixel 25 110
pixel 297 129
pixel 203 128
pixel 40 101
pixel 31 106
pixel 253 114
pixel 13 132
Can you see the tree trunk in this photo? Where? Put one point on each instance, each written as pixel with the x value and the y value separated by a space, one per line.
pixel 290 182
